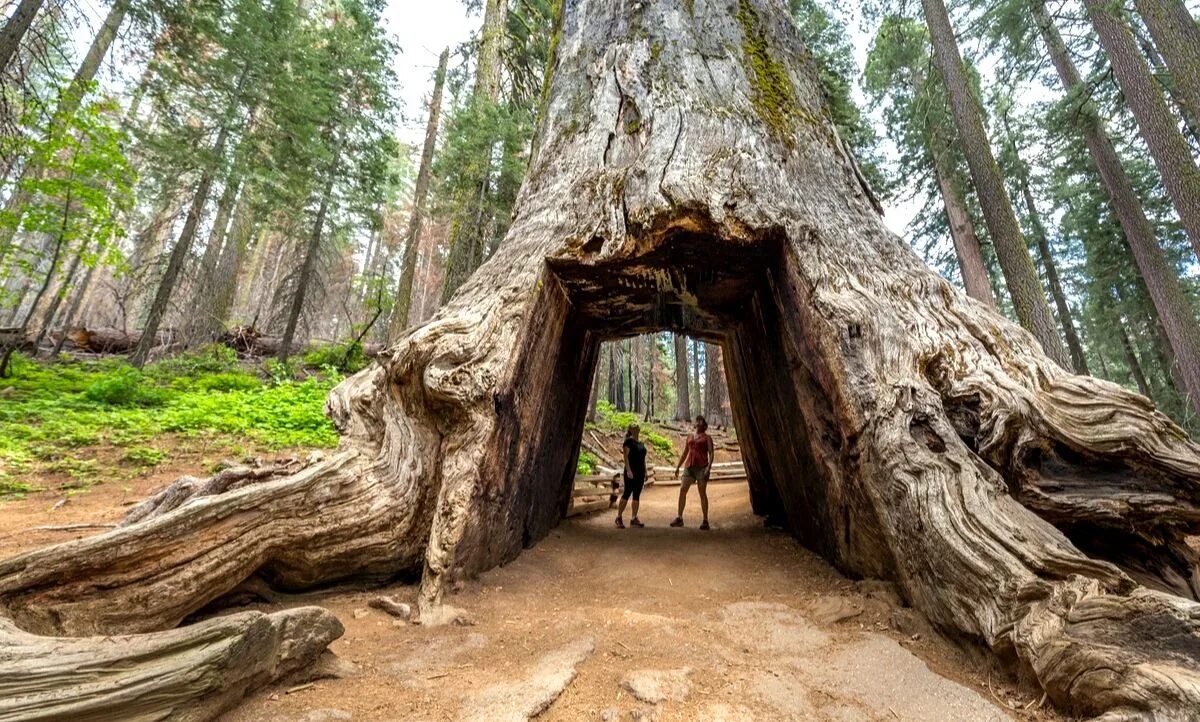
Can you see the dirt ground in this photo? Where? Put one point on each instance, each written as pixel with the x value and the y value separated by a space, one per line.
pixel 739 623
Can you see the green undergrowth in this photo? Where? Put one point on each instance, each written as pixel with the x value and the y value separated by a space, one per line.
pixel 97 420
pixel 610 420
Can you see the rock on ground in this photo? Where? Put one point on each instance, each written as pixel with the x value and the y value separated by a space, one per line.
pixel 519 700
pixel 658 685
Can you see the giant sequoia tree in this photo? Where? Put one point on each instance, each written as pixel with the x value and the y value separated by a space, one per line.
pixel 687 177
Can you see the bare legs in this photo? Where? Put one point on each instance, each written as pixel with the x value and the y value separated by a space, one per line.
pixel 702 485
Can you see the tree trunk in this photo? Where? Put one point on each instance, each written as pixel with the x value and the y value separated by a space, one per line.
pixel 1158 67
pixel 466 233
pixel 716 393
pixel 1165 290
pixel 15 29
pixel 309 264
pixel 1131 360
pixel 1155 124
pixel 412 238
pixel 1024 288
pixel 1065 317
pixel 683 403
pixel 69 102
pixel 179 255
pixel 962 233
pixel 1177 38
pixel 697 391
pixel 925 439
pixel 229 270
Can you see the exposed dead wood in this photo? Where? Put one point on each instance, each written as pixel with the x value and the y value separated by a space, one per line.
pixel 687 177
pixel 192 673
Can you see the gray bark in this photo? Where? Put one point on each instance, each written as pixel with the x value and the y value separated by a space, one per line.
pixel 1177 38
pixel 15 29
pixel 926 439
pixel 1158 128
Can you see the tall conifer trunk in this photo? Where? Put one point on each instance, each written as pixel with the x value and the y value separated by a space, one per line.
pixel 1024 288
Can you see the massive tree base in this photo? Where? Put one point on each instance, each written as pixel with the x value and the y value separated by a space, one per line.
pixel 687 177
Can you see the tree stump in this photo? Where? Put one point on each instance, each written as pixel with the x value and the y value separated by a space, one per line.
pixel 687 177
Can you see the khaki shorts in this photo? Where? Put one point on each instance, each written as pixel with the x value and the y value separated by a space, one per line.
pixel 694 473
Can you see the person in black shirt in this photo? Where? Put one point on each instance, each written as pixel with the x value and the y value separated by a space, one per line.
pixel 634 453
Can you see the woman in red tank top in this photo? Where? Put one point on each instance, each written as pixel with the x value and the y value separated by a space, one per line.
pixel 696 460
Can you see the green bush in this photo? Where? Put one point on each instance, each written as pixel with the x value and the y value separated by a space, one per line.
pixel 587 464
pixel 609 419
pixel 214 358
pixel 57 416
pixel 346 357
pixel 125 387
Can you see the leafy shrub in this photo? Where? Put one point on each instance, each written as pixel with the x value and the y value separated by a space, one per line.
pixel 587 464
pixel 125 387
pixel 610 419
pixel 144 456
pixel 346 357
pixel 214 358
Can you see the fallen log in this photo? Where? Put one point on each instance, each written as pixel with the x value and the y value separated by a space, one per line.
pixel 687 177
pixel 192 673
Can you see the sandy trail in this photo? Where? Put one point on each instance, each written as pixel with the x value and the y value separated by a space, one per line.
pixel 740 623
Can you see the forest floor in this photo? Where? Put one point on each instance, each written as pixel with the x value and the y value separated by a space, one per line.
pixel 738 623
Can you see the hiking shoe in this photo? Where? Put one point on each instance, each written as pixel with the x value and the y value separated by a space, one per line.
pixel 704 525
pixel 636 522
pixel 620 524
pixel 678 521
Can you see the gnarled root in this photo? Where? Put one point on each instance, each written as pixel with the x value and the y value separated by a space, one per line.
pixel 333 520
pixel 192 673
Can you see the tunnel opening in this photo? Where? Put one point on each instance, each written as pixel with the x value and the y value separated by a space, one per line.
pixel 727 293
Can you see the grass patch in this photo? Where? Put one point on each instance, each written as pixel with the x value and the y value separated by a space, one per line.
pixel 58 418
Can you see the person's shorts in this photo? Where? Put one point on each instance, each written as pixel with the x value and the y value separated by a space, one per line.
pixel 633 487
pixel 694 473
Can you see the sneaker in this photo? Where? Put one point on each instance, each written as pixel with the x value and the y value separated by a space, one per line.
pixel 704 525
pixel 678 521
pixel 620 524
pixel 636 522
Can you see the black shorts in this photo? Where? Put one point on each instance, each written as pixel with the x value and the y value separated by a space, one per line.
pixel 633 487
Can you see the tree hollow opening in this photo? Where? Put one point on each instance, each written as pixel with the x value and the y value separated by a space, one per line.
pixel 725 292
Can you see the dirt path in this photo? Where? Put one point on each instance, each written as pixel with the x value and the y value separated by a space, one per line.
pixel 739 623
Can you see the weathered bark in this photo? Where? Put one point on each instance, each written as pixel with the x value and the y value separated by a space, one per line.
pixel 15 29
pixel 966 241
pixel 683 405
pixel 1020 277
pixel 412 238
pixel 1158 128
pixel 193 673
pixel 1177 38
pixel 1178 320
pixel 897 427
